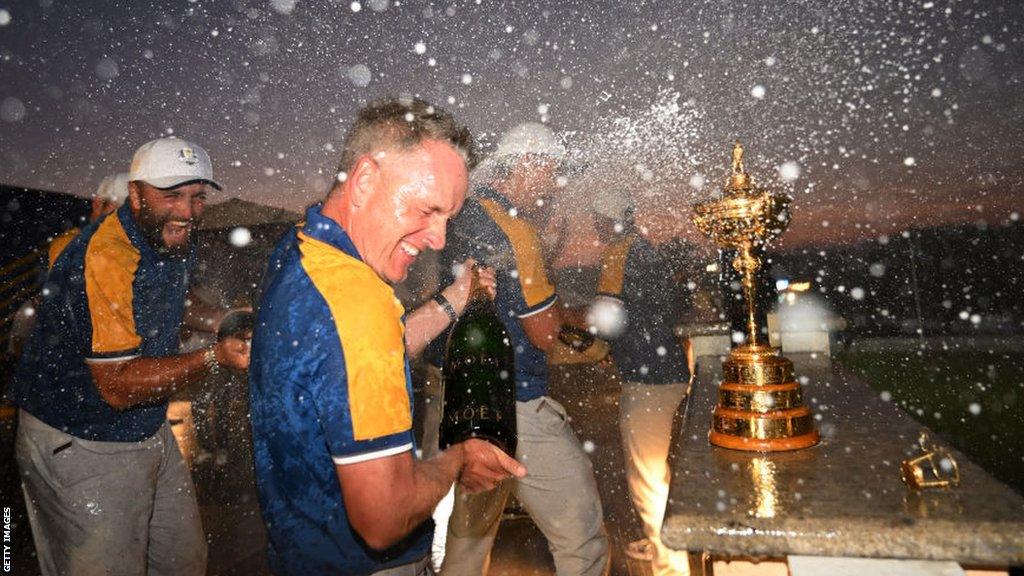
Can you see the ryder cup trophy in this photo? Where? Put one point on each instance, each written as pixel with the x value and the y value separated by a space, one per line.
pixel 760 403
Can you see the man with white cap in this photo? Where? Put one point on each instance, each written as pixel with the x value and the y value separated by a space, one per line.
pixel 107 198
pixel 637 301
pixel 105 485
pixel 559 492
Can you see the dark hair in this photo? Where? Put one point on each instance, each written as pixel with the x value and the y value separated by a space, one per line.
pixel 403 123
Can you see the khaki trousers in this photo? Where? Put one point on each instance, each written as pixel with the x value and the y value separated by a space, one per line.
pixel 645 421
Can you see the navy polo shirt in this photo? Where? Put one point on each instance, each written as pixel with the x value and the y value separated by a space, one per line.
pixel 329 385
pixel 108 297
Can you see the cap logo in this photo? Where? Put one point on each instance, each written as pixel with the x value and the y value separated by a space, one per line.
pixel 188 156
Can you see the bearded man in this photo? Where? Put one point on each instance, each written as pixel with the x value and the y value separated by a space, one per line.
pixel 105 486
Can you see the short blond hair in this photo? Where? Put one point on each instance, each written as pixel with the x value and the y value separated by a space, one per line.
pixel 403 124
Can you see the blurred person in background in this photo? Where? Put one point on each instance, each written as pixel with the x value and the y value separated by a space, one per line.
pixel 108 197
pixel 638 301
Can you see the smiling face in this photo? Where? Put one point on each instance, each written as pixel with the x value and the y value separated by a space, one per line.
pixel 168 218
pixel 538 175
pixel 405 201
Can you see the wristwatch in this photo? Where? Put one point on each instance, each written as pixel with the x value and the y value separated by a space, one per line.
pixel 446 306
pixel 575 338
pixel 210 359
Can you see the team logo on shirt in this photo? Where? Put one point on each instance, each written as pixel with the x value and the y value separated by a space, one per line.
pixel 188 156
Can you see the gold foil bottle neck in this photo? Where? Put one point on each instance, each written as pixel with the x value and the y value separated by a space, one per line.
pixel 476 289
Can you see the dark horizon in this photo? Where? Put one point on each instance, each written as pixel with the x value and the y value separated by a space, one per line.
pixel 806 230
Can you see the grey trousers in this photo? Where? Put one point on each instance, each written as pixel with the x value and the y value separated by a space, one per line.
pixel 110 508
pixel 559 493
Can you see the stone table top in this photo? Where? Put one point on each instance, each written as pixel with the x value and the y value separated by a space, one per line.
pixel 843 497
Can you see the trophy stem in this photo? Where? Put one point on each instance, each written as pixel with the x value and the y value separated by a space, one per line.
pixel 748 264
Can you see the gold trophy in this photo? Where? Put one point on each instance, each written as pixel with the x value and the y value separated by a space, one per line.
pixel 760 404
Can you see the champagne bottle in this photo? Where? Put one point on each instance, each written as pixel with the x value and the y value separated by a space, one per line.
pixel 479 377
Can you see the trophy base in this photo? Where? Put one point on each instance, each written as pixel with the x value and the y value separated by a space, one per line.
pixel 755 445
pixel 760 404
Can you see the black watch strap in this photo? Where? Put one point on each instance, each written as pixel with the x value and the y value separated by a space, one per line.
pixel 446 306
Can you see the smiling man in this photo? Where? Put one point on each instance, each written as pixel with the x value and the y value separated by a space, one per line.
pixel 340 488
pixel 105 485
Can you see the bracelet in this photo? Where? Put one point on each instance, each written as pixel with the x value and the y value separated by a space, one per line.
pixel 210 360
pixel 446 306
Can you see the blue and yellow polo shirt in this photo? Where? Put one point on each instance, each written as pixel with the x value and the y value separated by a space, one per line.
pixel 109 297
pixel 634 275
pixel 329 384
pixel 488 230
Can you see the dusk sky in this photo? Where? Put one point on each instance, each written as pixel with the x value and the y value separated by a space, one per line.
pixel 873 114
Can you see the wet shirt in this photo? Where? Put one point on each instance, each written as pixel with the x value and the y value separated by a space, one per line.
pixel 329 385
pixel 109 297
pixel 635 276
pixel 487 230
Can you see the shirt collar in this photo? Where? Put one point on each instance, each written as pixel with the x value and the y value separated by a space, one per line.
pixel 322 228
pixel 131 229
pixel 492 194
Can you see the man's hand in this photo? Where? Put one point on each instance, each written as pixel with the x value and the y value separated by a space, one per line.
pixel 429 320
pixel 458 292
pixel 233 352
pixel 486 466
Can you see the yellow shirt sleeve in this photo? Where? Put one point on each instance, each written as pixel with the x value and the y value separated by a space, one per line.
pixel 110 265
pixel 368 320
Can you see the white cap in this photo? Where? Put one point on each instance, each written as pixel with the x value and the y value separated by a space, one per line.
pixel 169 162
pixel 113 188
pixel 611 203
pixel 530 138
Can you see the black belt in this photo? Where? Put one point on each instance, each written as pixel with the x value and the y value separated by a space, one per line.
pixel 419 567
